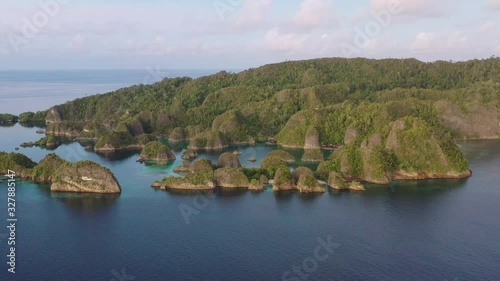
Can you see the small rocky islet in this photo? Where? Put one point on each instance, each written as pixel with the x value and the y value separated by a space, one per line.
pixel 63 176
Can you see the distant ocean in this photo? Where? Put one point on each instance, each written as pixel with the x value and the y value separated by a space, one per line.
pixel 22 91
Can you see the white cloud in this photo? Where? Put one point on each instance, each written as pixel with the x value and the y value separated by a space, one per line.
pixel 493 4
pixel 314 13
pixel 415 8
pixel 442 40
pixel 78 42
pixel 253 12
pixel 489 26
pixel 274 40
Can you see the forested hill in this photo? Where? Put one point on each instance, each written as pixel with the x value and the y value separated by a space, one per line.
pixel 257 103
pixel 394 119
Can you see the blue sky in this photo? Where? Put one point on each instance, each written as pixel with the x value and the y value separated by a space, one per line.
pixel 237 34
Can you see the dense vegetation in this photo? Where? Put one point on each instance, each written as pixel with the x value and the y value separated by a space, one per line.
pixel 32 117
pixel 7 118
pixel 330 101
pixel 332 94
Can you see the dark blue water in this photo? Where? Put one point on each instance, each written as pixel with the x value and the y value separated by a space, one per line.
pixel 22 91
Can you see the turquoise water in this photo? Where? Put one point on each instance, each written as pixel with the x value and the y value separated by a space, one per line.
pixel 414 230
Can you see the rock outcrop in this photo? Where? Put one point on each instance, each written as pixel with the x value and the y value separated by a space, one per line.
pixel 229 160
pixel 350 135
pixel 200 177
pixel 305 181
pixel 78 177
pixel 309 184
pixel 255 185
pixel 189 154
pixel 16 162
pixel 479 121
pixel 117 141
pixel 184 168
pixel 312 139
pixel 356 186
pixel 84 177
pixel 229 177
pixel 336 182
pixel 209 141
pixel 157 151
pixel 233 125
pixel 410 150
pixel 53 115
pixel 313 155
pixel 283 180
pixel 177 135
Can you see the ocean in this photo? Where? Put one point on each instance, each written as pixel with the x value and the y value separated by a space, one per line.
pixel 412 230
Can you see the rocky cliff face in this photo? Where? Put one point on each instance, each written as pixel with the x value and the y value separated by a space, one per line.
pixel 312 155
pixel 479 121
pixel 229 160
pixel 157 151
pixel 411 149
pixel 421 153
pixel 309 184
pixel 209 141
pixel 84 177
pixel 64 176
pixel 199 177
pixel 16 162
pixel 312 138
pixel 283 180
pixel 63 129
pixel 255 185
pixel 231 178
pixel 336 182
pixel 53 115
pixel 117 141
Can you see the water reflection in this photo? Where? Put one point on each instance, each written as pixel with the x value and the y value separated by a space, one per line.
pixel 38 125
pixel 117 156
pixel 87 203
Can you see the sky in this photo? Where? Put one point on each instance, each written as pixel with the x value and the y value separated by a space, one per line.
pixel 238 34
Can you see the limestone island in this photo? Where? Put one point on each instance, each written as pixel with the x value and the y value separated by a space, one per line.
pixel 63 176
pixel 156 151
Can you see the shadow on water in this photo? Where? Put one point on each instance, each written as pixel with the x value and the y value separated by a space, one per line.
pixel 231 192
pixel 413 188
pixel 189 193
pixel 39 125
pixel 117 156
pixel 220 192
pixel 407 188
pixel 86 202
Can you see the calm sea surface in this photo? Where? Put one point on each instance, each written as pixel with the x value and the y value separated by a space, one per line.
pixel 425 230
